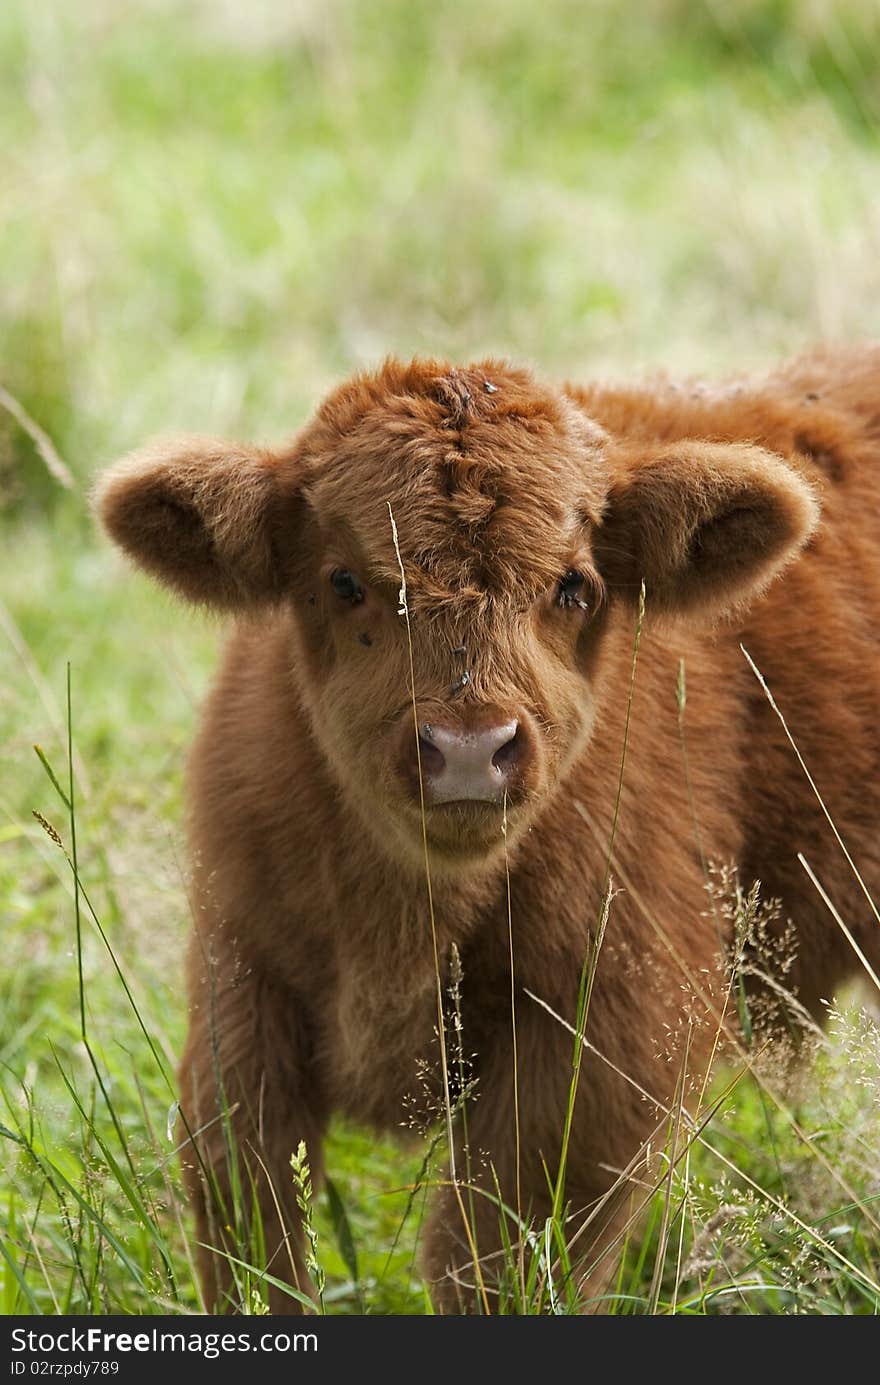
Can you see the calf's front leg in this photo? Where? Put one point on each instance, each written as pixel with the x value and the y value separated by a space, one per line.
pixel 248 1097
pixel 478 1267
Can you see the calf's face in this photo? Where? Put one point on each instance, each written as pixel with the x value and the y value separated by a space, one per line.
pixel 447 547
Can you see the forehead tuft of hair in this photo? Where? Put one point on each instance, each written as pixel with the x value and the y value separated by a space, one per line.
pixel 485 469
pixel 441 394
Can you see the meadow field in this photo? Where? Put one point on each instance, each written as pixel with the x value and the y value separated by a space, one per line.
pixel 210 212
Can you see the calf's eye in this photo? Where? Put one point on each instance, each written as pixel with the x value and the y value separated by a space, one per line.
pixel 571 590
pixel 346 585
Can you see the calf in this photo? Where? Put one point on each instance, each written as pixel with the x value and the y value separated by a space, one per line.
pixel 426 755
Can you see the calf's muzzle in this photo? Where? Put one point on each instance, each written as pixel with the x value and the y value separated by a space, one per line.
pixel 475 762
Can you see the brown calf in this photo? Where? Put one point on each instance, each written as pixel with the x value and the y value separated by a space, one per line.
pixel 359 745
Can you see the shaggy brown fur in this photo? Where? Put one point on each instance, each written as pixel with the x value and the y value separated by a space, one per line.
pixel 311 972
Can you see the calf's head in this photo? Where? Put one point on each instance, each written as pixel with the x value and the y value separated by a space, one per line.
pixel 447 550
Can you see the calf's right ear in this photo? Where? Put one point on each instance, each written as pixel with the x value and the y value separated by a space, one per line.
pixel 206 518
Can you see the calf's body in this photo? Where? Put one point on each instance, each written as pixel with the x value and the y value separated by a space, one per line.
pixel 526 521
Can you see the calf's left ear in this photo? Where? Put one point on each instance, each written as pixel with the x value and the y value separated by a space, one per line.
pixel 706 526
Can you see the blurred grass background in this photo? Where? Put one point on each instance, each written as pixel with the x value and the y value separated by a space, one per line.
pixel 211 210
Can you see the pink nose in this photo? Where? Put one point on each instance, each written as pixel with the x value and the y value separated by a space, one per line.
pixel 460 764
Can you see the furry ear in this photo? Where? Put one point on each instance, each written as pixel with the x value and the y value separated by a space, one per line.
pixel 706 525
pixel 202 516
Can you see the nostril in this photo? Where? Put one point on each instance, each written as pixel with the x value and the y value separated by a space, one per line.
pixel 431 757
pixel 507 755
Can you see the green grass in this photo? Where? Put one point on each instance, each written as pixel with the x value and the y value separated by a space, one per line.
pixel 208 213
